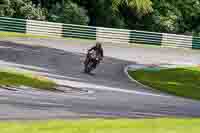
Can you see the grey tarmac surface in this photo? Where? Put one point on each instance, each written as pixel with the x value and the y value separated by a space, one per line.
pixel 112 94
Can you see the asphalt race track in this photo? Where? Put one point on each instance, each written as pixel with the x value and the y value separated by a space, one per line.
pixel 111 93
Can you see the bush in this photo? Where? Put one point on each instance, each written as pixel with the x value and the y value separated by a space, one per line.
pixel 69 13
pixel 29 11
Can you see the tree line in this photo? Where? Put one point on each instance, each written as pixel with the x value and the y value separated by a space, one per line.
pixel 170 16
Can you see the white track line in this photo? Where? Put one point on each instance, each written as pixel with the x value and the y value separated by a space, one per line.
pixel 100 87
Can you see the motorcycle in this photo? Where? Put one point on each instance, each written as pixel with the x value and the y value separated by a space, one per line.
pixel 91 61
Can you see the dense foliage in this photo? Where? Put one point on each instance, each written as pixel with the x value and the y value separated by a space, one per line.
pixel 173 16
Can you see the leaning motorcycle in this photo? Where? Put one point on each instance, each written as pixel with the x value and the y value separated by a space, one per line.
pixel 91 60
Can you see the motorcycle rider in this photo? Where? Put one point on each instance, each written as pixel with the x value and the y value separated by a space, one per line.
pixel 99 51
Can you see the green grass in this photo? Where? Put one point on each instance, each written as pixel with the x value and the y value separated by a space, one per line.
pixel 13 78
pixel 104 126
pixel 178 81
pixel 14 34
pixel 23 35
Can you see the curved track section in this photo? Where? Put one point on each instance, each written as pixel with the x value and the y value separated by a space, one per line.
pixel 113 95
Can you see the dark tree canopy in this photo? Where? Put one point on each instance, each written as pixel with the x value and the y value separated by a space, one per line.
pixel 172 16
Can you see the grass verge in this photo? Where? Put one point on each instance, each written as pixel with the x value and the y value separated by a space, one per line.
pixel 104 126
pixel 14 34
pixel 4 34
pixel 178 81
pixel 12 78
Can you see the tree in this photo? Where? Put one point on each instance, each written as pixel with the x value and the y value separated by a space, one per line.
pixel 180 16
pixel 48 4
pixel 4 8
pixel 166 17
pixel 30 11
pixel 68 13
pixel 101 13
pixel 4 3
pixel 140 7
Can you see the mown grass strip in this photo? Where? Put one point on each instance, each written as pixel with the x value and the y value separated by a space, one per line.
pixel 104 126
pixel 178 81
pixel 13 78
pixel 14 34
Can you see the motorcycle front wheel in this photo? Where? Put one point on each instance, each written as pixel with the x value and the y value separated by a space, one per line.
pixel 88 67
